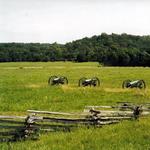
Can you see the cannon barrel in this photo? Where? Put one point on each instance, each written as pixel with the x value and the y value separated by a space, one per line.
pixel 134 82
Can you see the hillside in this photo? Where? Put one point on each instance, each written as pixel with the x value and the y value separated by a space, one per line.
pixel 111 50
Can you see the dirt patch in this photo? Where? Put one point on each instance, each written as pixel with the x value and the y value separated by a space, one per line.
pixel 32 67
pixel 116 90
pixel 34 85
pixel 10 68
pixel 67 88
pixel 142 93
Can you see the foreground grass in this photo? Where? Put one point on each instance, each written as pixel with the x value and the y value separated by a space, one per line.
pixel 24 86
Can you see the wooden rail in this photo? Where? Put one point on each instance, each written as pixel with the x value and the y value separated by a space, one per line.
pixel 51 113
pixel 12 117
pixel 22 127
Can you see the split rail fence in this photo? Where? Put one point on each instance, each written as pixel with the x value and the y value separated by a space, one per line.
pixel 14 128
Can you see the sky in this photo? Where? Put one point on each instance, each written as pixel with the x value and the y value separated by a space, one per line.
pixel 61 21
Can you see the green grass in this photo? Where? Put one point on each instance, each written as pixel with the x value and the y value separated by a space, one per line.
pixel 24 86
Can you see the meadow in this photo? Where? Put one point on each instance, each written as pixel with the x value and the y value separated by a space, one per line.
pixel 24 86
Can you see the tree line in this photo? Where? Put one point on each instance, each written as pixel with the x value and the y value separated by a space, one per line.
pixel 112 50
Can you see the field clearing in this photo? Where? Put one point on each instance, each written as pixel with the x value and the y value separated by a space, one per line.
pixel 24 86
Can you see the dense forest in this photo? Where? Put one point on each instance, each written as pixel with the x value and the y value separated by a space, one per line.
pixel 112 50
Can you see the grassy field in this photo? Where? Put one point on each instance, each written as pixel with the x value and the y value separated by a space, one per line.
pixel 24 86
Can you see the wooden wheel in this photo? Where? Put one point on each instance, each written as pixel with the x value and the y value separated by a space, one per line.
pixel 141 84
pixel 126 84
pixel 97 81
pixel 64 79
pixel 50 80
pixel 81 81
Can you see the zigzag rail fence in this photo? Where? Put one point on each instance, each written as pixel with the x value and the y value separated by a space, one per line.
pixel 18 128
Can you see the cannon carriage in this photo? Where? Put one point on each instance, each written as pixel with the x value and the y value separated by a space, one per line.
pixel 89 82
pixel 134 84
pixel 57 80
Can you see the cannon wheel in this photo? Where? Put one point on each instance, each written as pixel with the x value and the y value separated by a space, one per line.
pixel 125 83
pixel 97 81
pixel 141 84
pixel 65 79
pixel 51 79
pixel 81 80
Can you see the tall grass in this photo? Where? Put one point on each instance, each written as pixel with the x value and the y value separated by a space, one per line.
pixel 24 86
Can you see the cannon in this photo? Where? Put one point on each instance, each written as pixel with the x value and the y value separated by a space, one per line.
pixel 134 84
pixel 57 80
pixel 89 82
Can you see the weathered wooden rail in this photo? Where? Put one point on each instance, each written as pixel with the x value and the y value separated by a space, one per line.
pixel 14 128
